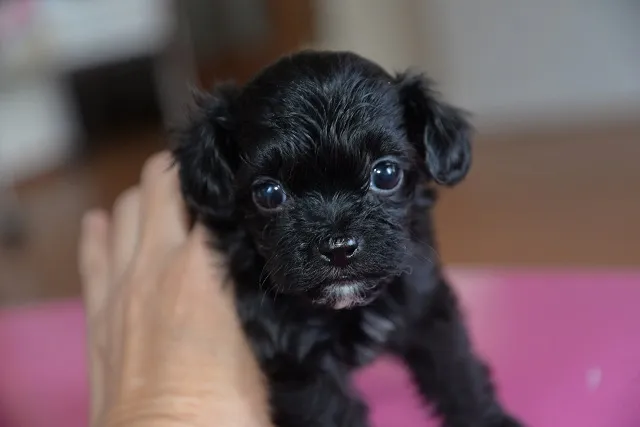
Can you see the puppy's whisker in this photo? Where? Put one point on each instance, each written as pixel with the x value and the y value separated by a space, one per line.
pixel 266 268
pixel 272 286
pixel 411 241
pixel 407 269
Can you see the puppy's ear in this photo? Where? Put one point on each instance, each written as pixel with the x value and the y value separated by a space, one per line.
pixel 440 132
pixel 206 156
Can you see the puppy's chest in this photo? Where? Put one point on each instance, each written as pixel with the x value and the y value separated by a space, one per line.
pixel 375 331
pixel 281 330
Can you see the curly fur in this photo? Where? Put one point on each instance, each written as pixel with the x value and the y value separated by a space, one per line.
pixel 316 121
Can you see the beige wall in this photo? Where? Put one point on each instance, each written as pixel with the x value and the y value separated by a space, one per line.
pixel 511 62
pixel 386 31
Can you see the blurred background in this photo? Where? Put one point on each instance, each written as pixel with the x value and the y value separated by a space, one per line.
pixel 88 89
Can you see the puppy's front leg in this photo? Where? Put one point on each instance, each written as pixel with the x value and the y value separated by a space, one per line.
pixel 447 373
pixel 313 396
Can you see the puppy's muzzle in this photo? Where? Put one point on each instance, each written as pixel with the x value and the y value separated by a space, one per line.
pixel 338 252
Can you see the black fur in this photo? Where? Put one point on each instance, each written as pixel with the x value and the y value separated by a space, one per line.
pixel 317 122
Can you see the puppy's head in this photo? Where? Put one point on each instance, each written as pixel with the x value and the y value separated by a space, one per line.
pixel 318 159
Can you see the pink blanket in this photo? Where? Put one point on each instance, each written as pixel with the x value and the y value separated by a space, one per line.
pixel 564 347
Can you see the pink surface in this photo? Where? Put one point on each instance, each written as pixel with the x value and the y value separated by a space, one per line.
pixel 564 347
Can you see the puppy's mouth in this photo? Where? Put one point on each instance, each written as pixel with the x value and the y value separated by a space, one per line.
pixel 347 293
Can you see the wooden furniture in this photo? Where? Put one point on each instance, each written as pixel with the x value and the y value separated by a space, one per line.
pixel 291 24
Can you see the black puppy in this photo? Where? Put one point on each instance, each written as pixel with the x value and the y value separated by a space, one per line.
pixel 314 176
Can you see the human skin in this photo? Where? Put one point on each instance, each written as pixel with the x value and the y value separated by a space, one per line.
pixel 164 342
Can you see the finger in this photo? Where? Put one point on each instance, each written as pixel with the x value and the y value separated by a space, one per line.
pixel 202 251
pixel 201 236
pixel 163 210
pixel 202 243
pixel 93 259
pixel 125 230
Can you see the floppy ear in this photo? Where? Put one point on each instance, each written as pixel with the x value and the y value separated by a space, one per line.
pixel 207 158
pixel 440 132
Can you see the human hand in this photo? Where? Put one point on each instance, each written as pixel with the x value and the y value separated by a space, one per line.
pixel 165 344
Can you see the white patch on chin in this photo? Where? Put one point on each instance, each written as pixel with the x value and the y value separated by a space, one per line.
pixel 344 302
pixel 345 295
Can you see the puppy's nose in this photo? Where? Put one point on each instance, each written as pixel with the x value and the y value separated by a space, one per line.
pixel 338 251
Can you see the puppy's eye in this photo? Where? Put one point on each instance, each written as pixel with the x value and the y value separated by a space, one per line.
pixel 386 176
pixel 268 195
